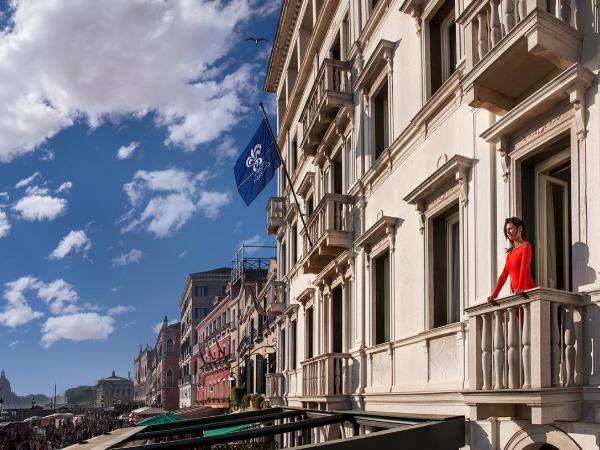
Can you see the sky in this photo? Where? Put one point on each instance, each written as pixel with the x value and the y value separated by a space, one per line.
pixel 120 124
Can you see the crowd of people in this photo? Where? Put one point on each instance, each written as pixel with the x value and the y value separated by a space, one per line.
pixel 60 435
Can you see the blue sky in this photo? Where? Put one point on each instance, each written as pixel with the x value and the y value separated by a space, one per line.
pixel 119 129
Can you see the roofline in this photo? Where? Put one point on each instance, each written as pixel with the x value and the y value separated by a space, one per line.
pixel 270 84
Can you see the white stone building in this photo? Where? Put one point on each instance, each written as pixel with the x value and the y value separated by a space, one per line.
pixel 411 130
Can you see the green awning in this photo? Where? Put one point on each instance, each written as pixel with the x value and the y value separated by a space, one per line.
pixel 217 431
pixel 161 418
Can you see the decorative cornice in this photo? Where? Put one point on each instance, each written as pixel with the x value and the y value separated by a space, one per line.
pixel 380 58
pixel 308 182
pixel 384 227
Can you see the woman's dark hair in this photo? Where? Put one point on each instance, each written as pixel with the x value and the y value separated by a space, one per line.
pixel 517 223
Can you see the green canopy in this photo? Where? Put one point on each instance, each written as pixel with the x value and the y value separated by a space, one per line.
pixel 226 429
pixel 161 418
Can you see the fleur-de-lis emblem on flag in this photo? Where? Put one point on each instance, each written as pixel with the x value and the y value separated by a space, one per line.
pixel 254 160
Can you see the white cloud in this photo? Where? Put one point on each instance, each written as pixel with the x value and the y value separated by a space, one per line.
pixel 211 203
pixel 76 327
pixel 257 239
pixel 40 207
pixel 27 181
pixel 14 343
pixel 17 311
pixel 157 327
pixel 96 61
pixel 4 224
pixel 125 151
pixel 75 241
pixel 183 253
pixel 120 309
pixel 133 256
pixel 227 149
pixel 5 196
pixel 65 187
pixel 59 295
pixel 36 190
pixel 173 196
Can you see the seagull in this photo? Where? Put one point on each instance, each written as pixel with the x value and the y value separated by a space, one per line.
pixel 257 40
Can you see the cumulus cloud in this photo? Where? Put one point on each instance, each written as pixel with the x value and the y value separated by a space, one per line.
pixel 132 256
pixel 4 224
pixel 75 241
pixel 17 310
pixel 125 151
pixel 4 196
pixel 257 239
pixel 76 327
pixel 120 309
pixel 227 149
pixel 142 57
pixel 40 207
pixel 59 295
pixel 27 181
pixel 162 201
pixel 65 187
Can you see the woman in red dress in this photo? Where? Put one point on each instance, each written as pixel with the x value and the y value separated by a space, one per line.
pixel 518 260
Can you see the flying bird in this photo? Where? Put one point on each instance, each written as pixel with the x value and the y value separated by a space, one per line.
pixel 257 40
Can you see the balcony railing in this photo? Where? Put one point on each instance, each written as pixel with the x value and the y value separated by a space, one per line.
pixel 332 90
pixel 514 45
pixel 326 375
pixel 526 343
pixel 276 209
pixel 276 302
pixel 330 230
pixel 275 385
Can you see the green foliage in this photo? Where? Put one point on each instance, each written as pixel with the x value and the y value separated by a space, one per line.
pixel 237 393
pixel 257 401
pixel 245 401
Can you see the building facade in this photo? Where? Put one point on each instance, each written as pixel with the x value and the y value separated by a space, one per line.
pixel 411 130
pixel 142 375
pixel 113 390
pixel 164 392
pixel 195 303
pixel 213 354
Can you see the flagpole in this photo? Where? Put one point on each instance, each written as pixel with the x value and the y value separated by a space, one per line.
pixel 287 175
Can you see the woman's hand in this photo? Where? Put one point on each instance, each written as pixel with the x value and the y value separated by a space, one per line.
pixel 521 293
pixel 491 300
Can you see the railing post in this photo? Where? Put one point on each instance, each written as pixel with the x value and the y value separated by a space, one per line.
pixel 540 343
pixel 555 346
pixel 514 371
pixel 495 25
pixel 482 35
pixel 526 356
pixel 569 347
pixel 499 349
pixel 486 351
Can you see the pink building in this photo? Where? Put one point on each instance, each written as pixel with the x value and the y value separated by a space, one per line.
pixel 212 359
pixel 165 376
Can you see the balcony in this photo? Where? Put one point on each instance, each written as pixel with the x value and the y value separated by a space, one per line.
pixel 330 230
pixel 326 375
pixel 331 92
pixel 275 214
pixel 525 357
pixel 276 303
pixel 514 46
pixel 275 388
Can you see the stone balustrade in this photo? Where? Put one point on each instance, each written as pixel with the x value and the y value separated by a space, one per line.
pixel 326 375
pixel 275 385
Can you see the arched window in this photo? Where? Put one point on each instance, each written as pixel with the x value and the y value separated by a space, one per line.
pixel 170 346
pixel 169 377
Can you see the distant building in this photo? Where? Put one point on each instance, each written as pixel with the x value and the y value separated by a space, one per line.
pixel 195 303
pixel 80 395
pixel 142 375
pixel 113 389
pixel 212 358
pixel 164 391
pixel 12 400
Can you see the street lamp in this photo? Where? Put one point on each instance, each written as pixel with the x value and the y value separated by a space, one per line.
pixel 51 405
pixel 32 402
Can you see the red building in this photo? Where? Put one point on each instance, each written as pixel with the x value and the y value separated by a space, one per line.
pixel 212 358
pixel 165 376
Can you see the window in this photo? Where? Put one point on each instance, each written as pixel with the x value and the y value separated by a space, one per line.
pixel 351 309
pixel 345 34
pixel 310 205
pixel 381 120
pixel 382 298
pixel 337 173
pixel 349 157
pixel 201 291
pixel 546 211
pixel 309 333
pixel 446 267
pixel 293 335
pixel 284 258
pixel 442 46
pixel 170 345
pixel 337 297
pixel 169 377
pixel 294 244
pixel 293 154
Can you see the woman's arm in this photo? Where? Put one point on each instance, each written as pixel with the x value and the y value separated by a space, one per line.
pixel 501 281
pixel 525 266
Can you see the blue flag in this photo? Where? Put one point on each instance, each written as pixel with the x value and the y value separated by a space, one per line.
pixel 256 165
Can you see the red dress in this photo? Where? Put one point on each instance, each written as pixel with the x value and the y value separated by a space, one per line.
pixel 518 266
